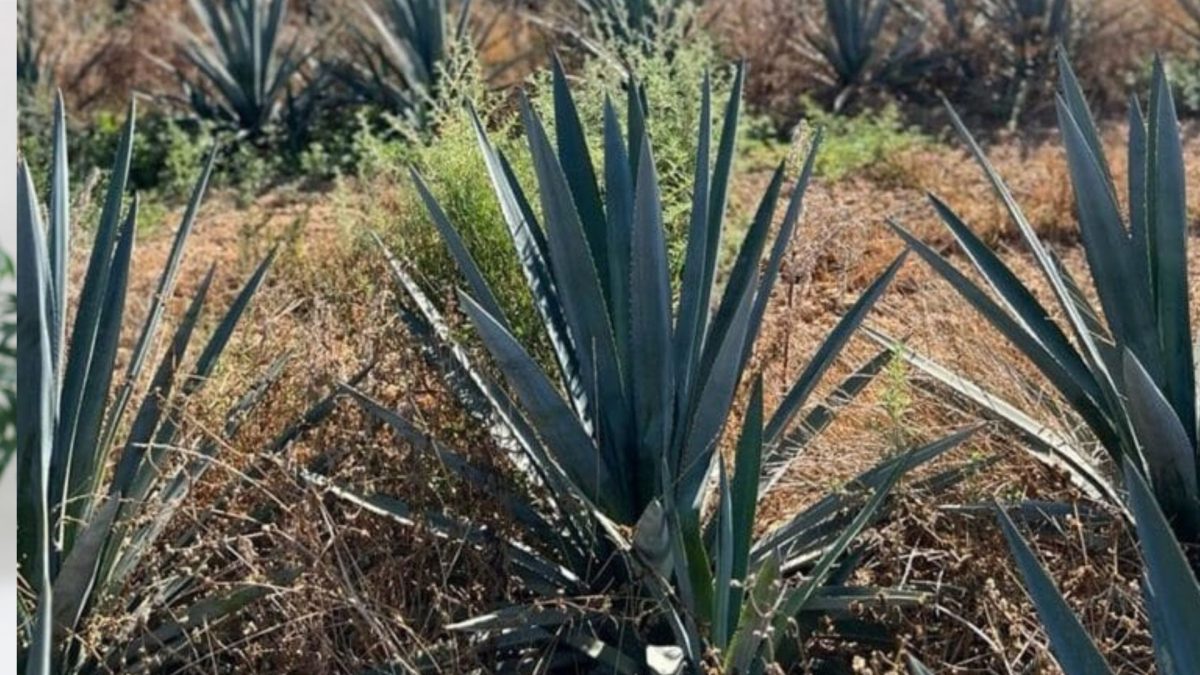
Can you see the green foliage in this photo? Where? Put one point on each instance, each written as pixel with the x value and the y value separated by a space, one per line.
pixel 1127 368
pixel 621 431
pixel 632 26
pixel 1184 73
pixel 897 402
pixel 871 140
pixel 29 46
pixel 80 538
pixel 167 155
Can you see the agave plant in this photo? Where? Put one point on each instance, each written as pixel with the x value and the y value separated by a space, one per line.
pixel 1018 39
pixel 79 539
pixel 1127 367
pixel 854 48
pixel 242 64
pixel 399 54
pixel 621 433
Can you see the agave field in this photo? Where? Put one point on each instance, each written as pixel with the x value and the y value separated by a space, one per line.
pixel 605 336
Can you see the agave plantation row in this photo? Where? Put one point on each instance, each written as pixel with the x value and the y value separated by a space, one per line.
pixel 618 431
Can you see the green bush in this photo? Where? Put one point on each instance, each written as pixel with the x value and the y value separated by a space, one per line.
pixel 869 141
pixel 452 165
pixel 1185 84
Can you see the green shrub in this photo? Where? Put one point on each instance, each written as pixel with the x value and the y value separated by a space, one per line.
pixel 452 166
pixel 868 141
pixel 1185 84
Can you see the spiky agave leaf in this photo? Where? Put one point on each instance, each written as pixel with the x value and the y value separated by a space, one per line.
pixel 1127 368
pixel 77 539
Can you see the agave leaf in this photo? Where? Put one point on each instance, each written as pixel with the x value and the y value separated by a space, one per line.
pixel 757 615
pixel 35 410
pixel 531 250
pixel 1047 444
pixel 1045 263
pixel 151 410
pixel 783 241
pixel 59 231
pixel 915 667
pixel 88 315
pixel 558 427
pixel 1168 243
pixel 723 552
pixel 583 299
pixel 743 275
pixel 458 249
pixel 224 330
pixel 797 599
pixel 743 498
pixel 166 287
pixel 1018 299
pixel 485 480
pixel 619 202
pixel 1138 152
pixel 712 406
pixel 1076 103
pixel 72 588
pixel 651 373
pixel 1168 452
pixel 693 293
pixel 477 391
pixel 1074 391
pixel 581 177
pixel 83 467
pixel 1172 591
pixel 1074 650
pixel 1106 244
pixel 795 534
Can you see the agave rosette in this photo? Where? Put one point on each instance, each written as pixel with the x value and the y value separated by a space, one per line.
pixel 621 433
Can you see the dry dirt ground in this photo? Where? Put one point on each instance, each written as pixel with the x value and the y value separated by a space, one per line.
pixel 369 590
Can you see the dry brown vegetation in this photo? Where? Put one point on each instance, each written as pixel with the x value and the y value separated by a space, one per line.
pixel 368 591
